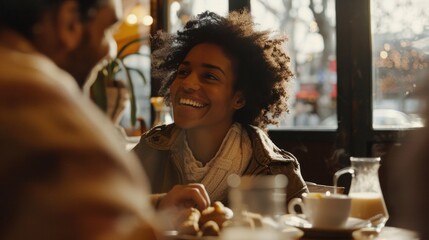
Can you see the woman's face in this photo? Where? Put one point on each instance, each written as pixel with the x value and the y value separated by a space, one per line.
pixel 202 94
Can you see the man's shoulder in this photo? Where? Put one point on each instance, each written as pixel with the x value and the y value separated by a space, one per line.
pixel 26 89
pixel 31 70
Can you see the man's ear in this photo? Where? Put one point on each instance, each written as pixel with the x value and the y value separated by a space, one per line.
pixel 239 100
pixel 69 25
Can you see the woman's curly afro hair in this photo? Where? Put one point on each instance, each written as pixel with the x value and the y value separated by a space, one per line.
pixel 260 62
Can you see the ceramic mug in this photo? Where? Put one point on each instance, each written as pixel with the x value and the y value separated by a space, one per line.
pixel 328 211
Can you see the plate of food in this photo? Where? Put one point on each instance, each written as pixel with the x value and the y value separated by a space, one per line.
pixel 217 222
pixel 190 223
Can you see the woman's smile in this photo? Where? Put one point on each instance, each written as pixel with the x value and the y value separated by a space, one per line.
pixel 191 103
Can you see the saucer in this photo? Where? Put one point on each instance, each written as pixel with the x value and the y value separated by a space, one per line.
pixel 291 233
pixel 300 222
pixel 390 233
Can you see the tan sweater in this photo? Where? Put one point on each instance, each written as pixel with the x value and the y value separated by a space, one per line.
pixel 58 149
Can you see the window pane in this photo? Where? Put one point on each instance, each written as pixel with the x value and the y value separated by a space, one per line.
pixel 400 32
pixel 310 27
pixel 181 10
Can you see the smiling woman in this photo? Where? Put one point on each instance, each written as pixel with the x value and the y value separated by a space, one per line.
pixel 203 94
pixel 226 82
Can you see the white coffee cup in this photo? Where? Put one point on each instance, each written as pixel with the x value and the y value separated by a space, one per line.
pixel 328 211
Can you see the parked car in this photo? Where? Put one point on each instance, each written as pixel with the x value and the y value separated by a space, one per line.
pixel 385 119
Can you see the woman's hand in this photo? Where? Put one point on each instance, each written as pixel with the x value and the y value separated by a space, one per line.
pixel 185 196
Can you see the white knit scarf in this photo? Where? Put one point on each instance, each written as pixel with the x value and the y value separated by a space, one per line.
pixel 233 156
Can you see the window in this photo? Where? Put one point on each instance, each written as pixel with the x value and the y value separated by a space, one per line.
pixel 310 28
pixel 400 40
pixel 180 11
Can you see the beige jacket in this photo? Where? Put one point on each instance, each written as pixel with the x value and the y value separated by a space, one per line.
pixel 267 159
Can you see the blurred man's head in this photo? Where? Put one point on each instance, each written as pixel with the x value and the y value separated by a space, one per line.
pixel 73 33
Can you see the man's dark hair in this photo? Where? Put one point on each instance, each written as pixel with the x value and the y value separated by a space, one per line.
pixel 259 61
pixel 22 15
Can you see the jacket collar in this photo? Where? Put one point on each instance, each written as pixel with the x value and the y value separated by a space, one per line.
pixel 265 151
pixel 162 137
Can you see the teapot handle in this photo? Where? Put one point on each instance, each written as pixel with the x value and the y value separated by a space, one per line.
pixel 339 173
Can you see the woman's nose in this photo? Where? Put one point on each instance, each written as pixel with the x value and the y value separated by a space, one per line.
pixel 191 82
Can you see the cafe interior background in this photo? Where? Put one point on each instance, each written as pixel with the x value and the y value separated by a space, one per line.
pixel 360 68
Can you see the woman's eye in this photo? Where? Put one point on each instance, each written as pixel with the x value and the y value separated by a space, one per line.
pixel 182 73
pixel 210 76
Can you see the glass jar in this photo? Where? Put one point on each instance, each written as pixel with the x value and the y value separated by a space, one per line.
pixel 262 198
pixel 365 190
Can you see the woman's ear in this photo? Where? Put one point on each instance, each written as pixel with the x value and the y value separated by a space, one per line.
pixel 239 100
pixel 69 25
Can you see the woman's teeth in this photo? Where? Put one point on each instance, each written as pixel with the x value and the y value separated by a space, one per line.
pixel 189 102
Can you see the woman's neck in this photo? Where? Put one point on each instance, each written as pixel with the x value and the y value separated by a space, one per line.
pixel 205 143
